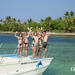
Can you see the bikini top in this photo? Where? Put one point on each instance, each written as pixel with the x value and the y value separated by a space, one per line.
pixel 20 38
pixel 36 38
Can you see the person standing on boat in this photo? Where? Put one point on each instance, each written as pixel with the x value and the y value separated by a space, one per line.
pixel 36 44
pixel 32 46
pixel 40 43
pixel 45 37
pixel 25 43
pixel 20 43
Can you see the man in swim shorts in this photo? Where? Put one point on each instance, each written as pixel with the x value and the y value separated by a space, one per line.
pixel 45 37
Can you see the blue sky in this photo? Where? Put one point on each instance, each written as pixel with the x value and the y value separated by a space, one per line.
pixel 35 9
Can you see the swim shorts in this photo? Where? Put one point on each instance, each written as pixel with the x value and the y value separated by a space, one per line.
pixel 44 44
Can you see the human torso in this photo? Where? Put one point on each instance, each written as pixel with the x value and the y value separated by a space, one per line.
pixel 36 39
pixel 26 39
pixel 20 40
pixel 45 38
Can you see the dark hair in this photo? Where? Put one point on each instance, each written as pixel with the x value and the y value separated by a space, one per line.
pixel 44 31
pixel 21 34
pixel 36 33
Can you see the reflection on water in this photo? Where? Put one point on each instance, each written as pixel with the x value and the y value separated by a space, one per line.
pixel 62 48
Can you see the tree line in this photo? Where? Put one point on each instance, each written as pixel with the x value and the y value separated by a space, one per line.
pixel 65 23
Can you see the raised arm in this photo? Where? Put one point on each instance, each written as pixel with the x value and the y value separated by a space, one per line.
pixel 30 33
pixel 16 35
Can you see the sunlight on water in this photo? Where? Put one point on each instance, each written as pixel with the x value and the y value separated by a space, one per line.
pixel 62 48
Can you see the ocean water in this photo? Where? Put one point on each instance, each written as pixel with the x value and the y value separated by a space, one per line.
pixel 61 48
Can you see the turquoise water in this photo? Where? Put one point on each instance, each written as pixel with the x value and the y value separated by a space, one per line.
pixel 62 48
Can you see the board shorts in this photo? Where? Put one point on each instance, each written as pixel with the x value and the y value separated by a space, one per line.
pixel 44 44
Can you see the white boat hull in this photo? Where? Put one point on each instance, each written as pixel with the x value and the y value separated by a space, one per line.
pixel 23 66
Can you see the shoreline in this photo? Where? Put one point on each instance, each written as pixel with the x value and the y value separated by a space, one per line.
pixel 6 32
pixel 49 33
pixel 62 34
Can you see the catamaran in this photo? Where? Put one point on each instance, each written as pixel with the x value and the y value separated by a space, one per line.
pixel 23 65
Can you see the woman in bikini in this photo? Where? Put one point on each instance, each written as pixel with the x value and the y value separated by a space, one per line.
pixel 20 43
pixel 40 43
pixel 36 44
pixel 25 43
pixel 32 46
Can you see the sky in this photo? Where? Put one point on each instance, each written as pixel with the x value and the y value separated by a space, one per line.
pixel 35 9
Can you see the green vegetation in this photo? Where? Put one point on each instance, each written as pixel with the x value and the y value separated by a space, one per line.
pixel 61 24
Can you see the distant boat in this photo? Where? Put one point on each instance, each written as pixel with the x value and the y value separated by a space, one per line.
pixel 23 65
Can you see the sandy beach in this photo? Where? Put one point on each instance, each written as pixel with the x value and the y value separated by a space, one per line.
pixel 1 32
pixel 53 33
pixel 49 33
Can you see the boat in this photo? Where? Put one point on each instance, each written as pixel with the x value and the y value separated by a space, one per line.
pixel 23 65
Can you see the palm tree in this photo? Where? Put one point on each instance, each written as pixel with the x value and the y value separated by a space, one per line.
pixel 48 19
pixel 47 23
pixel 25 22
pixel 72 17
pixel 8 20
pixel 14 20
pixel 66 14
pixel 30 20
pixel 1 24
pixel 42 20
pixel 1 21
pixel 71 13
pixel 18 21
pixel 59 19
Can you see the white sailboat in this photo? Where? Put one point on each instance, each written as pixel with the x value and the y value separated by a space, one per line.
pixel 23 65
